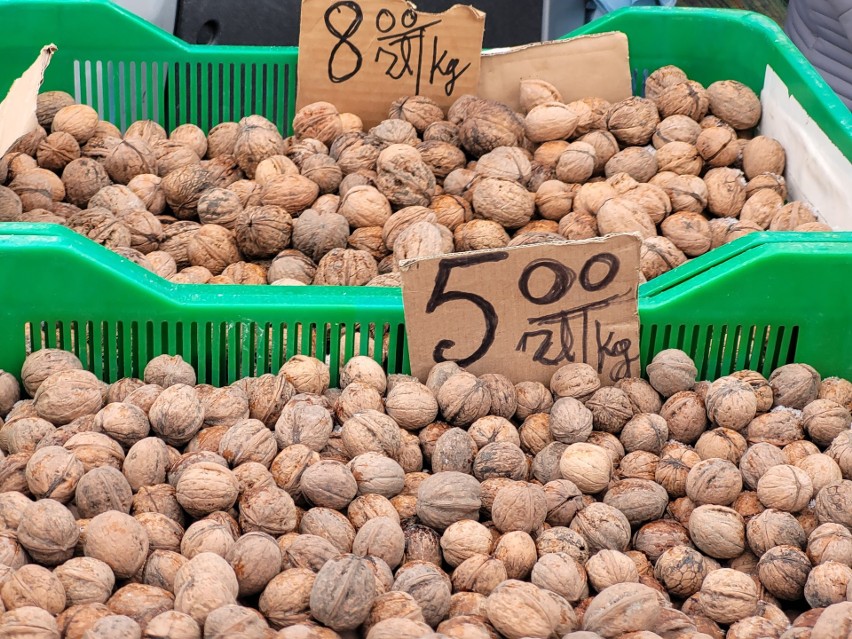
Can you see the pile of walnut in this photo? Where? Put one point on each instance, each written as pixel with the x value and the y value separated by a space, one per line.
pixel 463 508
pixel 334 204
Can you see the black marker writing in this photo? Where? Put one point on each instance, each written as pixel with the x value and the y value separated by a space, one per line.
pixel 343 40
pixel 441 296
pixel 566 351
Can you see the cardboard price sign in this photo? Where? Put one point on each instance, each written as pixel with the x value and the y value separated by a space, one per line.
pixel 361 55
pixel 526 311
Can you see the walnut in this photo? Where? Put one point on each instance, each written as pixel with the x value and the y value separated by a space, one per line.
pixel 636 161
pixel 645 431
pixel 725 191
pixel 170 155
pixel 659 255
pixel 256 140
pixel 273 166
pixel 689 232
pixel 779 427
pixel 403 177
pixel 78 120
pixel 428 585
pixel 718 531
pixel 663 78
pixel 534 92
pixel 394 131
pixel 791 216
pixel 480 234
pixel 676 128
pixel 487 125
pixel 686 192
pixel 183 187
pixel 293 193
pixel 319 120
pixel 621 215
pixel 441 157
pixel 261 231
pixel 734 103
pixel 731 403
pixel 794 385
pixel 633 120
pixel 550 121
pixel 57 150
pixel 38 189
pixel 639 499
pixel 323 171
pixel 785 487
pixel 315 234
pixel 783 571
pixel 824 420
pixel 829 542
pixel 728 596
pixel 718 146
pixel 761 208
pixel 447 497
pixel 463 540
pixel 684 98
pixel 101 226
pixel 577 163
pixel 517 609
pixel 345 267
pixel 772 528
pixel 838 390
pixel 505 163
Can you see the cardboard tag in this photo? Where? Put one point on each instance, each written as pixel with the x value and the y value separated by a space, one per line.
pixel 526 311
pixel 585 66
pixel 361 55
pixel 18 109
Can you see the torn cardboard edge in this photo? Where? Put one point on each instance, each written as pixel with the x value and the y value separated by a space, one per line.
pixel 596 65
pixel 18 109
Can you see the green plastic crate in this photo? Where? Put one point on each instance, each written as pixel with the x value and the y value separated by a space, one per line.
pixel 764 300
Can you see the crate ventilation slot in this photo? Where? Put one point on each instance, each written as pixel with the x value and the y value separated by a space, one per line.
pixel 174 93
pixel 719 349
pixel 221 352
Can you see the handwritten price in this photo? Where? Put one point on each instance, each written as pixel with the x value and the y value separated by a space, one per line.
pixel 526 311
pixel 402 50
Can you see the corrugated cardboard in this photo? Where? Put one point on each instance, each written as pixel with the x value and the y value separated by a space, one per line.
pixel 556 314
pixel 18 109
pixel 585 66
pixel 363 55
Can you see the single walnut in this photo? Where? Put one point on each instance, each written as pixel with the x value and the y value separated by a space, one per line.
pixel 772 528
pixel 550 121
pixel 345 267
pixel 731 403
pixel 256 140
pixel 714 481
pixel 534 92
pixel 486 125
pixel 645 431
pixel 633 120
pixel 636 161
pixel 718 531
pixel 480 234
pixel 319 120
pixel 785 487
pixel 681 570
pixel 728 596
pixel 794 385
pixel 663 78
pixel 78 120
pixel 621 215
pixel 676 128
pixel 67 395
pixel 671 371
pixel 783 571
pixel 726 193
pixel 659 255
pixel 734 103
pixel 447 497
pixel 519 506
pixel 170 155
pixel 838 390
pixel 824 420
pixel 718 146
pixel 517 609
pixel 778 427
